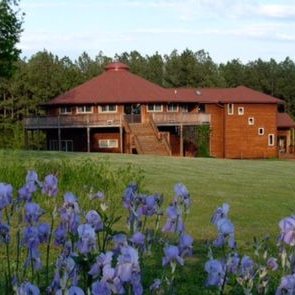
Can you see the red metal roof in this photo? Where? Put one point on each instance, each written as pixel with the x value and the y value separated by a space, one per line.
pixel 285 121
pixel 118 85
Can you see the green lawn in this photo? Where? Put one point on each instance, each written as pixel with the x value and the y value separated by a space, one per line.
pixel 260 192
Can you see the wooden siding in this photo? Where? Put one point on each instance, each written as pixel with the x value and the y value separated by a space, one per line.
pixel 97 135
pixel 217 130
pixel 242 140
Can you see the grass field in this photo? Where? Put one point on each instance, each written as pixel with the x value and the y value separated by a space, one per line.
pixel 259 192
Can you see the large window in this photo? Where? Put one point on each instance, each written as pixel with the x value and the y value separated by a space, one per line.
pixel 108 143
pixel 65 110
pixel 84 109
pixel 155 108
pixel 108 108
pixel 172 107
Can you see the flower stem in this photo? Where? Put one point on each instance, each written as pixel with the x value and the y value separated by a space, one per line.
pixel 8 263
pixel 48 249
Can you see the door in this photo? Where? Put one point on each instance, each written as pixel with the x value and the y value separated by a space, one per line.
pixel 133 113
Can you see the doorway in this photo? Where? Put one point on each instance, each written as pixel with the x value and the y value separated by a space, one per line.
pixel 132 113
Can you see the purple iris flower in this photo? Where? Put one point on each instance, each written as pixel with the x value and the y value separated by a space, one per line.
pixel 138 239
pixel 221 212
pixel 182 194
pixel 25 193
pixel 172 255
pixel 87 238
pixel 185 245
pixel 226 230
pixel 43 230
pixel 50 185
pixel 104 259
pixel 4 233
pixel 31 241
pixel 74 290
pixel 216 273
pixel 98 195
pixel 95 220
pixel 272 263
pixel 174 221
pixel 287 226
pixel 127 263
pixel 247 267
pixel 113 281
pixel 136 284
pixel 287 285
pixel 129 195
pixel 27 288
pixel 100 288
pixel 32 180
pixel 120 240
pixel 65 271
pixel 5 195
pixel 233 263
pixel 60 235
pixel 149 205
pixel 33 212
pixel 156 285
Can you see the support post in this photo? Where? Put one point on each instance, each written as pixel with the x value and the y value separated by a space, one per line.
pixel 88 139
pixel 181 140
pixel 26 139
pixel 121 139
pixel 59 138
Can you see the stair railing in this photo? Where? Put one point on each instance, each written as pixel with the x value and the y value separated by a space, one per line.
pixel 133 138
pixel 159 136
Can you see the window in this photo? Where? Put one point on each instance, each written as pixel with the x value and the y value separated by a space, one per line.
pixel 172 107
pixel 184 108
pixel 155 108
pixel 240 111
pixel 260 131
pixel 108 108
pixel 108 143
pixel 230 109
pixel 251 121
pixel 84 109
pixel 65 110
pixel 271 139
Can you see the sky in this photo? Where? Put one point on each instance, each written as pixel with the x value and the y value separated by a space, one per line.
pixel 226 29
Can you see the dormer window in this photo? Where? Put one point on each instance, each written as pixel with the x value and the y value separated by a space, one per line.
pixel 84 109
pixel 65 110
pixel 108 108
pixel 155 108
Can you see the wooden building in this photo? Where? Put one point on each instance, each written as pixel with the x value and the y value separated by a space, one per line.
pixel 120 112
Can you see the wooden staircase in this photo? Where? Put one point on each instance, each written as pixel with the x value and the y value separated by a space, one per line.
pixel 148 140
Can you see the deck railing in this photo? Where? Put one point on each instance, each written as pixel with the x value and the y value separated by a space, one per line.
pixel 100 120
pixel 83 120
pixel 181 118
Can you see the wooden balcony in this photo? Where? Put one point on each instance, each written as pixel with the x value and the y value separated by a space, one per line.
pixel 112 120
pixel 181 118
pixel 73 121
